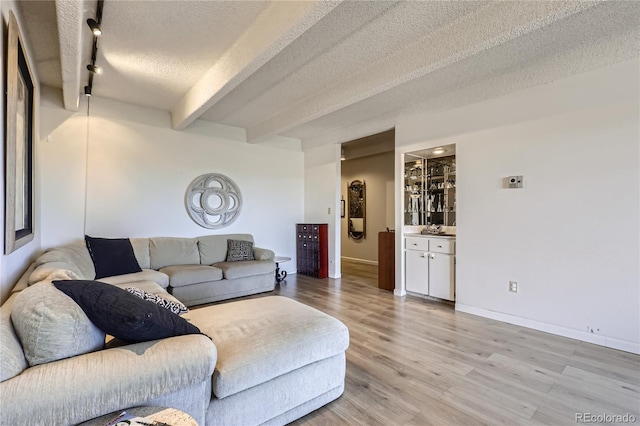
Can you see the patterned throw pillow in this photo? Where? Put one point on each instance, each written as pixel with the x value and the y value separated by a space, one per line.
pixel 239 250
pixel 175 307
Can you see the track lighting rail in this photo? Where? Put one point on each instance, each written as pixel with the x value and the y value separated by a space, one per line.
pixel 96 30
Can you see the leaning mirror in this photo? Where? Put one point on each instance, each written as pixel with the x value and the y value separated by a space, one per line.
pixel 19 183
pixel 357 208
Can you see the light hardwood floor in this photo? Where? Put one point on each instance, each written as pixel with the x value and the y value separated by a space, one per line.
pixel 358 272
pixel 417 362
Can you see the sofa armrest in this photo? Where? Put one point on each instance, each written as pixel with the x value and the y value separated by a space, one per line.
pixel 80 388
pixel 263 254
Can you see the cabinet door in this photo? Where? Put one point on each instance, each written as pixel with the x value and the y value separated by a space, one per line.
pixel 417 271
pixel 441 276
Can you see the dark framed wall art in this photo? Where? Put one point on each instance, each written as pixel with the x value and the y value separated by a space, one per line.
pixel 19 127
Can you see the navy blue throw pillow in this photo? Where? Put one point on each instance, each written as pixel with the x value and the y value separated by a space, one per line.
pixel 112 256
pixel 122 314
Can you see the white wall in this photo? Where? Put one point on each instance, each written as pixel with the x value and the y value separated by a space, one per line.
pixel 139 169
pixel 14 264
pixel 376 171
pixel 63 171
pixel 571 236
pixel 322 195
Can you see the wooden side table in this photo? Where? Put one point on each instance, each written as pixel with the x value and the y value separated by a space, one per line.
pixel 280 275
pixel 157 416
pixel 386 260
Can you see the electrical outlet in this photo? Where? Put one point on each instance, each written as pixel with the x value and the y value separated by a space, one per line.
pixel 513 286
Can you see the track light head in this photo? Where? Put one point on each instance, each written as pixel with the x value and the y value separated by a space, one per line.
pixel 95 27
pixel 87 90
pixel 94 69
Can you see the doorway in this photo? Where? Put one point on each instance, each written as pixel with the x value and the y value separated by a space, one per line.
pixel 367 177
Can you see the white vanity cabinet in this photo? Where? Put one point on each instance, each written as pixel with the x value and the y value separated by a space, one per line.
pixel 430 266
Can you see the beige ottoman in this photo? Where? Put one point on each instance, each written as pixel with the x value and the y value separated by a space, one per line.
pixel 278 359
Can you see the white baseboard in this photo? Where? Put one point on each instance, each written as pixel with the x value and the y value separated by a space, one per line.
pixel 353 259
pixel 608 342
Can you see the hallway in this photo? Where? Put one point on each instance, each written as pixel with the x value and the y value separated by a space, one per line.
pixel 360 272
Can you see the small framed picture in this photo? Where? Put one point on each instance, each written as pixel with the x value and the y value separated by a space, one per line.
pixel 342 207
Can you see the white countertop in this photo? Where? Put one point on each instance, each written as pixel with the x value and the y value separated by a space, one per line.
pixel 446 236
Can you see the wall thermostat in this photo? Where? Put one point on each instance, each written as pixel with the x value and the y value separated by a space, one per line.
pixel 515 181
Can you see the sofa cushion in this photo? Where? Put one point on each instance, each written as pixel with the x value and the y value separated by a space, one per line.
pixel 146 275
pixel 12 361
pixel 123 315
pixel 75 256
pixel 112 256
pixel 167 251
pixel 53 271
pixel 66 262
pixel 177 308
pixel 213 248
pixel 248 268
pixel 141 250
pixel 51 326
pixel 263 254
pixel 260 339
pixel 181 275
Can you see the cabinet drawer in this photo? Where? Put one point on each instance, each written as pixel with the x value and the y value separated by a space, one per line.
pixel 441 245
pixel 417 243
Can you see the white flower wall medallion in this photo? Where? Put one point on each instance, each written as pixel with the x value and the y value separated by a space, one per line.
pixel 213 201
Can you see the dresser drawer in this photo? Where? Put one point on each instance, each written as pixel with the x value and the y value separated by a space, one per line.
pixel 417 243
pixel 304 228
pixel 442 245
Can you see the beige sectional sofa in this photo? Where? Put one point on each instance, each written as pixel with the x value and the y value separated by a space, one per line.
pixel 266 360
pixel 194 270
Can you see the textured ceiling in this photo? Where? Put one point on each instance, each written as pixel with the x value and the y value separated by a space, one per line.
pixel 38 24
pixel 153 52
pixel 362 34
pixel 323 71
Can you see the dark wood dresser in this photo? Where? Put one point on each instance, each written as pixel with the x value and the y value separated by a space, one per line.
pixel 312 249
